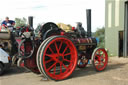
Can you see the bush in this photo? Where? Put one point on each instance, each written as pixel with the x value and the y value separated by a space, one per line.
pixel 100 34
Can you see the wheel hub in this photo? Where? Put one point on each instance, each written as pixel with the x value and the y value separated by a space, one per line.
pixel 60 58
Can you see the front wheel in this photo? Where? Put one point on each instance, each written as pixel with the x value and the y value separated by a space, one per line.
pixel 99 59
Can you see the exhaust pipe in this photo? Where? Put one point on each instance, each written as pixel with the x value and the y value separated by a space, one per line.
pixel 88 15
pixel 30 21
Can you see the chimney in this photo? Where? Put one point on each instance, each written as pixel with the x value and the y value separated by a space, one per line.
pixel 88 15
pixel 30 21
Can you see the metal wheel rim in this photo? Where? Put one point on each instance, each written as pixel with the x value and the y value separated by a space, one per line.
pixel 73 61
pixel 100 59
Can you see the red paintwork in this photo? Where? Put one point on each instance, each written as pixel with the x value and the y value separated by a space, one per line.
pixel 18 41
pixel 100 59
pixel 30 63
pixel 58 56
pixel 3 25
pixel 22 64
pixel 73 28
pixel 62 33
pixel 83 40
pixel 72 62
pixel 0 28
pixel 27 29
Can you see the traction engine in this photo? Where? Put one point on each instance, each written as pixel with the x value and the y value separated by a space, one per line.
pixel 56 53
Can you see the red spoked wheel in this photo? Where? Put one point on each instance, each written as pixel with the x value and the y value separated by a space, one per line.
pixel 38 55
pixel 59 58
pixel 100 59
pixel 82 62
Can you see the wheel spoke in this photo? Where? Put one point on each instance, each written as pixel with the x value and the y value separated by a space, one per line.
pixel 67 54
pixel 98 65
pixel 67 60
pixel 49 61
pixel 98 52
pixel 49 55
pixel 65 49
pixel 102 56
pixel 56 48
pixel 60 68
pixel 60 45
pixel 51 66
pixel 51 49
pixel 97 58
pixel 54 70
pixel 65 66
pixel 102 62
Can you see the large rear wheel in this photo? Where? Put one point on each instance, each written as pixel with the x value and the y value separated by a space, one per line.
pixel 38 56
pixel 58 58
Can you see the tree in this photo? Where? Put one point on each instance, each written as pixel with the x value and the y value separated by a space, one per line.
pixel 100 34
pixel 0 21
pixel 38 29
pixel 20 22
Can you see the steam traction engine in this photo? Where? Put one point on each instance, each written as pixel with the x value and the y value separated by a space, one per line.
pixel 56 53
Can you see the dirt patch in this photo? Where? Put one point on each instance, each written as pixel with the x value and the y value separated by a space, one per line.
pixel 116 73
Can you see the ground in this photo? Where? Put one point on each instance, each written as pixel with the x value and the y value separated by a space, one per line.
pixel 116 73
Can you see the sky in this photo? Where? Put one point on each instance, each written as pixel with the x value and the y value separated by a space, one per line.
pixel 65 11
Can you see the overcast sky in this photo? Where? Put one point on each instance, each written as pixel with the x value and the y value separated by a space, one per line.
pixel 65 11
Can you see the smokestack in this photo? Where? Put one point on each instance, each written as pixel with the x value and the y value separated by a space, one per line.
pixel 88 15
pixel 30 21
